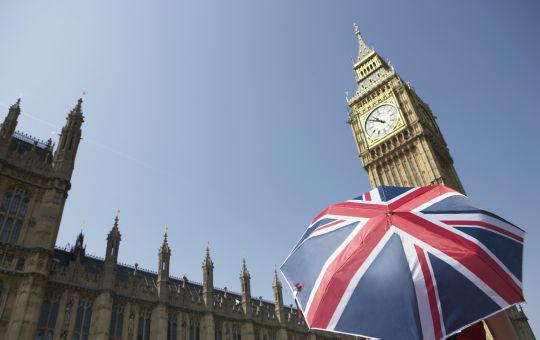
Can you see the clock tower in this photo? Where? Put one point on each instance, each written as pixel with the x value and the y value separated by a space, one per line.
pixel 398 138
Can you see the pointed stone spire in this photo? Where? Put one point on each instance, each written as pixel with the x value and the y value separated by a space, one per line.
pixel 363 49
pixel 113 242
pixel 77 110
pixel 165 245
pixel 10 122
pixel 245 282
pixel 79 250
pixel 208 279
pixel 278 298
pixel 111 256
pixel 207 262
pixel 164 255
pixel 64 156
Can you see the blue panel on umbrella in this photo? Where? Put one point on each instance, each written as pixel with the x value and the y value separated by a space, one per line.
pixel 454 204
pixel 384 304
pixel 459 204
pixel 388 193
pixel 313 227
pixel 462 302
pixel 510 252
pixel 305 264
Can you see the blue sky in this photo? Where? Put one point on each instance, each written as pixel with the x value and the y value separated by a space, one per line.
pixel 226 120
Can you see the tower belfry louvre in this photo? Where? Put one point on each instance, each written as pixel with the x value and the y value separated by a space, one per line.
pixel 398 138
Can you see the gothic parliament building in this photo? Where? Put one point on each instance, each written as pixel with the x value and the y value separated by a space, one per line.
pixel 48 292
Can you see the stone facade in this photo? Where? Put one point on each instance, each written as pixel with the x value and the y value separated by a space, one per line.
pixel 52 293
pixel 413 152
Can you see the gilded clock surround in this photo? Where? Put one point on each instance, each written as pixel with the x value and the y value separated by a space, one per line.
pixel 400 124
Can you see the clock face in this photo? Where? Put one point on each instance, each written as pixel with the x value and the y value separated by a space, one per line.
pixel 381 121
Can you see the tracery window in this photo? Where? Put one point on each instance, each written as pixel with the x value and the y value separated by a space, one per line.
pixel 172 327
pixel 47 318
pixel 236 333
pixel 12 212
pixel 143 330
pixel 117 322
pixel 194 330
pixel 82 321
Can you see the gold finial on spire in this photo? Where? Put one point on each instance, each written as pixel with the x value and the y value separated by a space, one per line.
pixel 363 49
pixel 356 29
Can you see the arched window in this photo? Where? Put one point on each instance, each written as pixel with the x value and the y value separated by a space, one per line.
pixel 12 212
pixel 143 331
pixel 117 322
pixel 172 327
pixel 47 318
pixel 236 333
pixel 194 330
pixel 82 321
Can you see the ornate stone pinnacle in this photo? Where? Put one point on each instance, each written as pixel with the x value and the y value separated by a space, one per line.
pixel 277 282
pixel 244 272
pixel 17 104
pixel 77 110
pixel 207 259
pixel 165 234
pixel 116 219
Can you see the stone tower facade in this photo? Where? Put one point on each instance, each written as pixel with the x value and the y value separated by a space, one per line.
pixel 34 183
pixel 398 138
pixel 406 148
pixel 55 293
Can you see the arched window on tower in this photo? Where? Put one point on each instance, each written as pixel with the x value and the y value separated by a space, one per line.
pixel 236 332
pixel 83 319
pixel 143 331
pixel 172 327
pixel 12 213
pixel 47 318
pixel 117 322
pixel 194 330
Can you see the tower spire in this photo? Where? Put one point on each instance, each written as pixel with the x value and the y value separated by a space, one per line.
pixel 113 242
pixel 10 122
pixel 208 279
pixel 245 282
pixel 364 50
pixel 64 157
pixel 278 298
pixel 164 255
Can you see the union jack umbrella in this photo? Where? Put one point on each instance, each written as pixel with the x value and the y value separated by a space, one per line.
pixel 405 263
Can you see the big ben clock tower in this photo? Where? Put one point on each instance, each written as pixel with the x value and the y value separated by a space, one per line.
pixel 396 133
pixel 398 139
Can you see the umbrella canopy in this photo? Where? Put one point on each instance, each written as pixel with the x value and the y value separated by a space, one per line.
pixel 405 263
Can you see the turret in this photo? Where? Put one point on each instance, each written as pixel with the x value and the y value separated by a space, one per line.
pixel 278 298
pixel 10 122
pixel 64 157
pixel 245 279
pixel 208 279
pixel 111 255
pixel 164 255
pixel 79 250
pixel 113 243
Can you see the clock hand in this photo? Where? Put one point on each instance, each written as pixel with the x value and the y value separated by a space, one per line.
pixel 376 120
